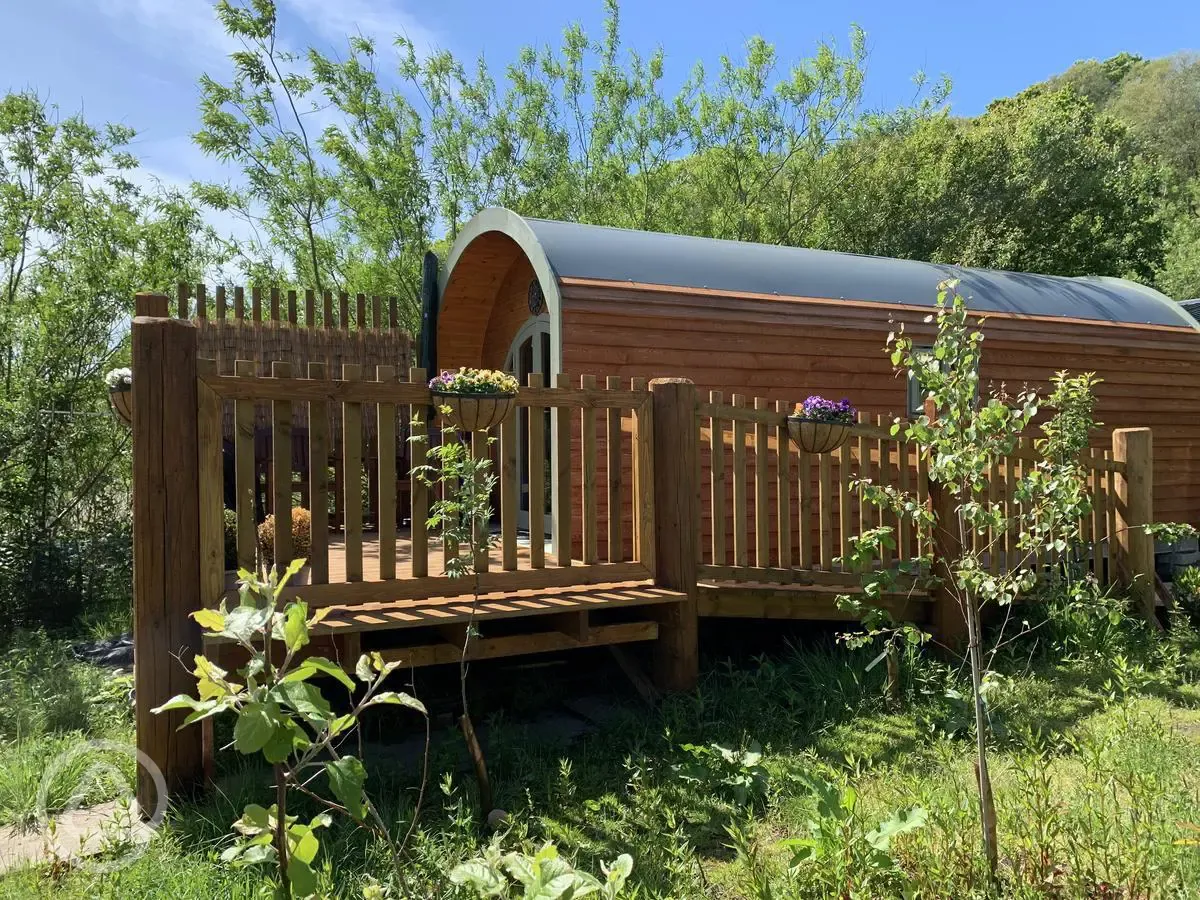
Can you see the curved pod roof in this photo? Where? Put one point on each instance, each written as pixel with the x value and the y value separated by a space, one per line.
pixel 593 252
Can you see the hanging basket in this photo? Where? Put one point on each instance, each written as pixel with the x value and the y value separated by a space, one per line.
pixel 816 436
pixel 121 401
pixel 474 412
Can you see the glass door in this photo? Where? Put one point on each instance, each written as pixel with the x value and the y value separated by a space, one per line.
pixel 530 353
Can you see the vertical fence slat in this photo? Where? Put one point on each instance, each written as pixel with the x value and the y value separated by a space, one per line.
pixel 561 423
pixel 613 441
pixel 845 516
pixel 590 516
pixel 762 499
pixel 537 479
pixel 310 308
pixel 826 506
pixel 352 465
pixel 327 309
pixel 716 446
pixel 244 474
pixel 221 304
pixel 343 310
pixel 480 451
pixel 239 304
pixel 866 516
pixel 182 292
pixel 1010 536
pixel 318 480
pixel 884 451
pixel 202 302
pixel 385 430
pixel 643 477
pixel 360 311
pixel 1033 558
pixel 212 482
pixel 922 489
pixel 508 491
pixel 1099 517
pixel 741 552
pixel 256 304
pixel 1086 533
pixel 903 460
pixel 804 505
pixel 419 490
pixel 291 307
pixel 1110 504
pixel 994 536
pixel 281 464
pixel 783 488
pixel 274 304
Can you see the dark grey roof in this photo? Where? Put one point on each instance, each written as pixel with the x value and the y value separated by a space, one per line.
pixel 1192 306
pixel 615 254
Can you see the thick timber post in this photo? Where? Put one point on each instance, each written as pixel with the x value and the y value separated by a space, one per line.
pixel 1134 447
pixel 676 514
pixel 166 544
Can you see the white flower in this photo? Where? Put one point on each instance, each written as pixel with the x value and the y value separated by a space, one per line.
pixel 119 378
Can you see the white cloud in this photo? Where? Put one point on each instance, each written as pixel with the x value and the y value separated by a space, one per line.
pixel 335 20
pixel 176 28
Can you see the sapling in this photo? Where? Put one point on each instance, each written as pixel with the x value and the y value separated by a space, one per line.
pixel 283 716
pixel 462 511
pixel 963 435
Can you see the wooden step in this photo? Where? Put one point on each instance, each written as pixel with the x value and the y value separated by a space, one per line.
pixel 454 610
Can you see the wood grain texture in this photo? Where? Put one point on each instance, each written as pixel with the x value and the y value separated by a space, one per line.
pixel 166 542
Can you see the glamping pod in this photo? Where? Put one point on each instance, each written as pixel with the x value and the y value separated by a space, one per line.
pixel 537 296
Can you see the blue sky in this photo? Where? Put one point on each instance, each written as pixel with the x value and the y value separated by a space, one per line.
pixel 136 61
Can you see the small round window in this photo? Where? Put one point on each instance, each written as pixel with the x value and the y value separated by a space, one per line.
pixel 537 300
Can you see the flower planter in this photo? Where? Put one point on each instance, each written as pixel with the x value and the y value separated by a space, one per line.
pixel 120 398
pixel 474 412
pixel 817 436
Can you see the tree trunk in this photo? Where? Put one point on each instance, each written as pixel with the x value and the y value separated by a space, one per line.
pixel 987 806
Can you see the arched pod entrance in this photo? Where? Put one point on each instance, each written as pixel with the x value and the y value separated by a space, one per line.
pixel 494 274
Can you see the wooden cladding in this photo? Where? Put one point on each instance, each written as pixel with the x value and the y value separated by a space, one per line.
pixel 768 505
pixel 308 309
pixel 612 421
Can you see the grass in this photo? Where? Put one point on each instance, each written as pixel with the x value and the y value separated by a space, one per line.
pixel 52 706
pixel 1097 774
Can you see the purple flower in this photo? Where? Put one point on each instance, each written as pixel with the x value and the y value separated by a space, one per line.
pixel 822 410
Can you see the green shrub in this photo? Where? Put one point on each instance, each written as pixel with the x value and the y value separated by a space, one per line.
pixel 1186 587
pixel 230 539
pixel 301 535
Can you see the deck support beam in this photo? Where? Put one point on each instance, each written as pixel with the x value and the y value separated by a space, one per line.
pixel 676 524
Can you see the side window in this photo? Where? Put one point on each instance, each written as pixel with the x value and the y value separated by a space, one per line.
pixel 916 393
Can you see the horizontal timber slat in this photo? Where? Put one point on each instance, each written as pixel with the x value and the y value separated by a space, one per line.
pixel 318 595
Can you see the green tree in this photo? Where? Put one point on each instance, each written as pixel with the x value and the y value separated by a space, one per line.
pixel 77 238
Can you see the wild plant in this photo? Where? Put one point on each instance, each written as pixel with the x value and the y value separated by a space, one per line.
pixel 283 716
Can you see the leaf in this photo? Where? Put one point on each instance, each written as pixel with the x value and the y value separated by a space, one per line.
pixel 346 777
pixel 210 620
pixel 478 875
pixel 295 626
pixel 179 701
pixel 306 700
pixel 255 726
pixel 398 698
pixel 318 664
pixel 363 668
pixel 304 881
pixel 901 821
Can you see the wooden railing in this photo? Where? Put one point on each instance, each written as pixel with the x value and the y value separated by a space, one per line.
pixel 769 507
pixel 313 310
pixel 343 573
